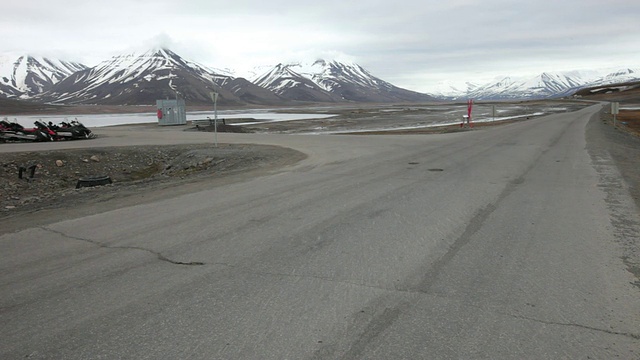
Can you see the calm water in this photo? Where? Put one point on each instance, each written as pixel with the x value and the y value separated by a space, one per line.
pixel 97 120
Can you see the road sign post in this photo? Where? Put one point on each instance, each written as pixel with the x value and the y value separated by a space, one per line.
pixel 214 97
pixel 615 109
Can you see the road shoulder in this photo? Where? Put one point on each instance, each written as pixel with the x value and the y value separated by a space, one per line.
pixel 615 154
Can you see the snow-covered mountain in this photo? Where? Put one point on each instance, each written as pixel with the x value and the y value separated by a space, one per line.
pixel 545 85
pixel 617 77
pixel 451 90
pixel 287 83
pixel 24 76
pixel 144 77
pixel 332 80
pixel 618 85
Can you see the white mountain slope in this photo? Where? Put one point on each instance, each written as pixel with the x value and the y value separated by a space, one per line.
pixel 285 82
pixel 452 90
pixel 545 85
pixel 133 68
pixel 333 81
pixel 25 76
pixel 618 77
pixel 332 74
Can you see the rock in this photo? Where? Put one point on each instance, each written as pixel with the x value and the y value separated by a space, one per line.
pixel 59 163
pixel 85 160
pixel 95 158
pixel 9 207
pixel 30 199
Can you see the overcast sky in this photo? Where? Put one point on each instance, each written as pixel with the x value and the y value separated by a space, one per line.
pixel 412 44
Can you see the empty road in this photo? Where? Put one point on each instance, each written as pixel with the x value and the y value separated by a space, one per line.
pixel 501 243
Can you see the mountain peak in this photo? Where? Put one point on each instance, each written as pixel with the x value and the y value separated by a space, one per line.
pixel 28 75
pixel 143 77
pixel 335 80
pixel 162 52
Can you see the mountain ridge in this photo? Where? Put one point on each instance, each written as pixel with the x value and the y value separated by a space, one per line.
pixel 335 81
pixel 544 85
pixel 23 76
pixel 143 76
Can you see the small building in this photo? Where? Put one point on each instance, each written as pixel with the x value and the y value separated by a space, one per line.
pixel 171 112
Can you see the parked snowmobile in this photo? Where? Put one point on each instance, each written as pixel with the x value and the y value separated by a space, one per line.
pixel 44 128
pixel 73 130
pixel 16 132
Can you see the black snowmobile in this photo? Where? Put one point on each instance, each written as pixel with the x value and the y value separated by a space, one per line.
pixel 16 132
pixel 73 130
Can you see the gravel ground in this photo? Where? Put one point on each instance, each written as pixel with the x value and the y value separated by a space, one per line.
pixel 131 169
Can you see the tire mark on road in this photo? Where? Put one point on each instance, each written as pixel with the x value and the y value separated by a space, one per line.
pixel 374 328
pixel 430 276
pixel 611 332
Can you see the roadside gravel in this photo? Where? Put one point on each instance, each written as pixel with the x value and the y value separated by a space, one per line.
pixel 615 154
pixel 136 171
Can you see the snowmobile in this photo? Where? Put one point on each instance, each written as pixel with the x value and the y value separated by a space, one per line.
pixel 16 132
pixel 73 130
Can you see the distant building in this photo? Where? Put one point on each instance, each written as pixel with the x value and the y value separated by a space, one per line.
pixel 171 112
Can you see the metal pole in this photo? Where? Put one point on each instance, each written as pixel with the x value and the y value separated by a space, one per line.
pixel 214 96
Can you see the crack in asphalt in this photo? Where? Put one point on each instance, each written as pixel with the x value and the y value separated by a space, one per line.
pixel 346 282
pixel 105 246
pixel 611 332
pixel 413 291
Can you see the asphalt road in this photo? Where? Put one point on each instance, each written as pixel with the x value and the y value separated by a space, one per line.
pixel 500 243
